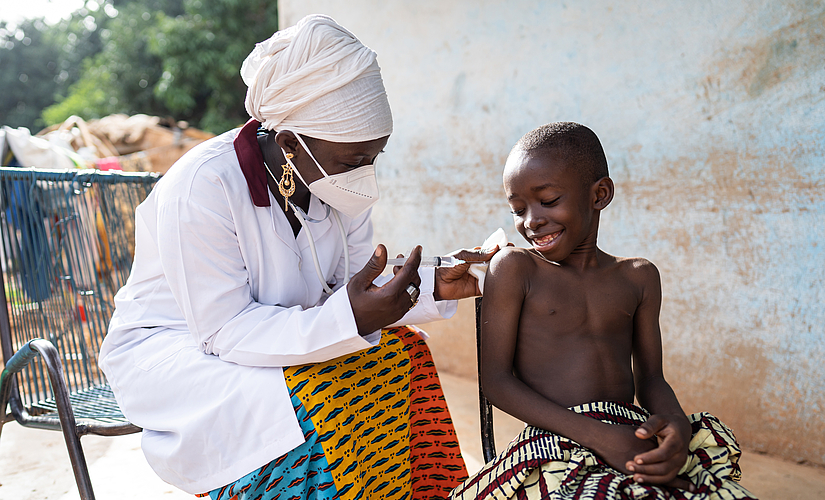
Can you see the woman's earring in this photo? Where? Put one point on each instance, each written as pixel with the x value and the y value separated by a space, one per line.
pixel 286 186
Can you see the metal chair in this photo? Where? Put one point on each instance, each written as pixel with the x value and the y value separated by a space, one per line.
pixel 488 443
pixel 67 247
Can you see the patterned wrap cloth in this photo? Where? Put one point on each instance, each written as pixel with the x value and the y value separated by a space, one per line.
pixel 376 426
pixel 541 465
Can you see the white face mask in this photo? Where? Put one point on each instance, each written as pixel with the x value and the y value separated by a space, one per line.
pixel 351 193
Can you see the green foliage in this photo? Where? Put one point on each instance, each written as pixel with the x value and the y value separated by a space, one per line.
pixel 87 98
pixel 120 77
pixel 202 52
pixel 38 63
pixel 176 58
pixel 29 73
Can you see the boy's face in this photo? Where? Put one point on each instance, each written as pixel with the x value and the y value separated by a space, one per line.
pixel 552 207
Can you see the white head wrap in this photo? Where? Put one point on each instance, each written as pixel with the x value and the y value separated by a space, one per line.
pixel 317 79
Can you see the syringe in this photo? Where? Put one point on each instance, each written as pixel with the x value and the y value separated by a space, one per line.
pixel 448 261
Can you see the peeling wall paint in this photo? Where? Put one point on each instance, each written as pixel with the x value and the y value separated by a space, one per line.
pixel 712 115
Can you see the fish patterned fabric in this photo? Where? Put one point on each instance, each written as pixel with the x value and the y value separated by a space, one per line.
pixel 376 425
pixel 541 465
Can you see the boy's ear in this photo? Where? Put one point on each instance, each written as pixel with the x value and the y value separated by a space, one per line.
pixel 603 190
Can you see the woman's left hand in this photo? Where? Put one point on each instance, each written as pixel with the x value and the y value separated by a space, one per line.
pixel 453 283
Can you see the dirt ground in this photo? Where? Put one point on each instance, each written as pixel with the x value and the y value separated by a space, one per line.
pixel 34 464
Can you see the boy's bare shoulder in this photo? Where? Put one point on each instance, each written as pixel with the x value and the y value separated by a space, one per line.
pixel 512 259
pixel 511 268
pixel 638 269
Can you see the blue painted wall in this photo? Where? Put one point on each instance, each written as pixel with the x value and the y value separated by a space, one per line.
pixel 712 115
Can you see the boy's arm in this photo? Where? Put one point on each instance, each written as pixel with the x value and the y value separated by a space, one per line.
pixel 667 422
pixel 506 286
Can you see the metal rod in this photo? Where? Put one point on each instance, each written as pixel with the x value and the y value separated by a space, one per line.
pixel 488 443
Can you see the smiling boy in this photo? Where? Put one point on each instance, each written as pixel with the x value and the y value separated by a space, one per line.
pixel 571 337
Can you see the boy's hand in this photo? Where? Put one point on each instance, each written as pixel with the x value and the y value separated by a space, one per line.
pixel 660 465
pixel 619 445
pixel 453 283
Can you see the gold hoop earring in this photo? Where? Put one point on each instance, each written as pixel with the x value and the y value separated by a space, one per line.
pixel 286 186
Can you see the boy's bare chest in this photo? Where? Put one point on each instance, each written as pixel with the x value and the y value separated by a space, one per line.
pixel 561 303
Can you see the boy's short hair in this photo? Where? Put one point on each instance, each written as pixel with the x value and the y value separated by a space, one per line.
pixel 577 144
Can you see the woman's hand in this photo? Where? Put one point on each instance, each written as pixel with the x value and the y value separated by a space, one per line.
pixel 453 283
pixel 376 307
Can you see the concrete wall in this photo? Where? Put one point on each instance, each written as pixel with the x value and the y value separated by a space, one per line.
pixel 712 115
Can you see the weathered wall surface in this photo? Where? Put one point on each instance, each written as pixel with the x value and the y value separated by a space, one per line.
pixel 712 115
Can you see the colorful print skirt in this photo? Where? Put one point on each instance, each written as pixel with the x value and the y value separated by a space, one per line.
pixel 541 465
pixel 376 426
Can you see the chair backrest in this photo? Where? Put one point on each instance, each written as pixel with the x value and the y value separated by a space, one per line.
pixel 67 247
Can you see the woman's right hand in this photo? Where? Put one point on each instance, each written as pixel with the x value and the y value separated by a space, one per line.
pixel 376 307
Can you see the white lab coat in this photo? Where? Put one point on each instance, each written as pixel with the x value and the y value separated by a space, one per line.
pixel 221 296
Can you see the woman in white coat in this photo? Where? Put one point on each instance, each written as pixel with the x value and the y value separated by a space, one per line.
pixel 242 270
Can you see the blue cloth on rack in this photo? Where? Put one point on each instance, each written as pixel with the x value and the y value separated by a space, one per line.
pixel 26 215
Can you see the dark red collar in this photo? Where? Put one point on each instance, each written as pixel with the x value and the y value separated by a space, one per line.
pixel 252 162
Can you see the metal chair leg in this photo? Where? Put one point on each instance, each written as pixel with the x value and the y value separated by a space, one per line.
pixel 488 443
pixel 6 379
pixel 51 358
